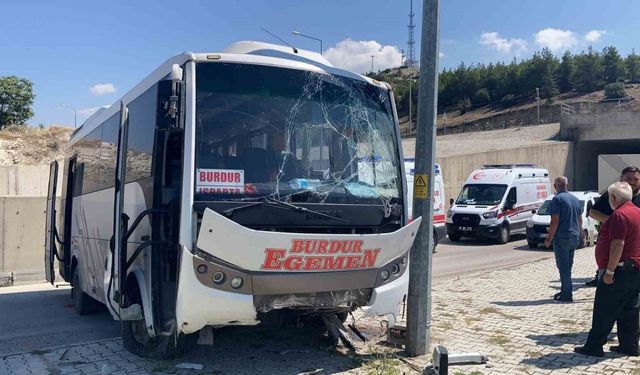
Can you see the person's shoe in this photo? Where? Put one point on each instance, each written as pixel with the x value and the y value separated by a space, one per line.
pixel 590 352
pixel 592 283
pixel 620 350
pixel 558 297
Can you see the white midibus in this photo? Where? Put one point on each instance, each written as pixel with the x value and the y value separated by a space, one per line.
pixel 229 186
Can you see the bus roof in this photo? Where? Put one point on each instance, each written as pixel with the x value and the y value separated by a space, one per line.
pixel 246 52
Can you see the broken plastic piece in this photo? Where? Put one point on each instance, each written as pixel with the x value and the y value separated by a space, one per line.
pixel 190 366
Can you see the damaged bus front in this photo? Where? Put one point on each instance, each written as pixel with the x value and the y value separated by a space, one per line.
pixel 298 197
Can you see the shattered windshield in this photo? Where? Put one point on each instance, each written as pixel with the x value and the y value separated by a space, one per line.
pixel 284 133
pixel 481 194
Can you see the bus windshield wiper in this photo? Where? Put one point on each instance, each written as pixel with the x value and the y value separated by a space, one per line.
pixel 269 201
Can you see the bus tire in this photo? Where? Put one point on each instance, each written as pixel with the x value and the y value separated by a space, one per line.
pixel 504 235
pixel 137 340
pixel 82 302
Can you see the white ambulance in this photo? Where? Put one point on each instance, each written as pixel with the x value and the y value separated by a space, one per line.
pixel 439 229
pixel 497 201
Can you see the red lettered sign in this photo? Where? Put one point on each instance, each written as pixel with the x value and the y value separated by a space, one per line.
pixel 320 255
pixel 226 181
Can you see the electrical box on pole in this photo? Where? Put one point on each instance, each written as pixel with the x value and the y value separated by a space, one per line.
pixel 419 297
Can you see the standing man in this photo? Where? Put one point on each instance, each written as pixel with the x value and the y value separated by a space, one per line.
pixel 564 233
pixel 618 252
pixel 601 210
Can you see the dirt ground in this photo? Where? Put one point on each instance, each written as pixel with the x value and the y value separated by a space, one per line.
pixel 469 143
pixel 25 145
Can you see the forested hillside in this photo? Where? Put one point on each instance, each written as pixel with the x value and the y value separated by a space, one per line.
pixel 507 84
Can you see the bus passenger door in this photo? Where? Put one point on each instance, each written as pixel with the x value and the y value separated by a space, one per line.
pixel 50 249
pixel 118 260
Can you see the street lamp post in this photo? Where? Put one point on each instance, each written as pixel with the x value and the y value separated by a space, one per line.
pixel 308 36
pixel 75 114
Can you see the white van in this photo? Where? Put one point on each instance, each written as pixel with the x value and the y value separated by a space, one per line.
pixel 497 201
pixel 439 229
pixel 538 225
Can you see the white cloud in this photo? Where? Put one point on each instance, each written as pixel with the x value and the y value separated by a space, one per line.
pixel 102 89
pixel 503 45
pixel 594 35
pixel 556 39
pixel 440 54
pixel 356 55
pixel 86 112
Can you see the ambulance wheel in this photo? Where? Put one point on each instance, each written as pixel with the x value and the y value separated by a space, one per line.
pixel 82 302
pixel 454 237
pixel 504 235
pixel 137 340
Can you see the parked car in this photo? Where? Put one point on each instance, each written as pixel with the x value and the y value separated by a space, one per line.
pixel 538 225
pixel 496 201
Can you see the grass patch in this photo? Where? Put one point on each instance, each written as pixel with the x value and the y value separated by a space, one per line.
pixel 498 340
pixel 383 363
pixel 493 310
pixel 534 354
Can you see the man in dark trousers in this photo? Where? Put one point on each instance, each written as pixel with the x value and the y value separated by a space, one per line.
pixel 618 253
pixel 564 233
pixel 601 210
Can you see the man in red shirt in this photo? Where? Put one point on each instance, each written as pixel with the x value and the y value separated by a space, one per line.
pixel 618 252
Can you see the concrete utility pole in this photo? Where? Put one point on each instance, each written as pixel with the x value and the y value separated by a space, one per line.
pixel 419 298
pixel 410 108
pixel 538 102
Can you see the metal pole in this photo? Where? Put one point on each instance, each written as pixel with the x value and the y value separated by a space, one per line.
pixel 538 103
pixel 410 100
pixel 419 298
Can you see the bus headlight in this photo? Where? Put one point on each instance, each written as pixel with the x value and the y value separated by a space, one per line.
pixel 236 282
pixel 490 215
pixel 384 275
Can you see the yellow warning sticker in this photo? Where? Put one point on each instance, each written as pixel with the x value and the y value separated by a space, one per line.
pixel 420 188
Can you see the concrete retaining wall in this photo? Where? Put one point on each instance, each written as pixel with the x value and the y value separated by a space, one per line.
pixel 25 180
pixel 557 157
pixel 22 238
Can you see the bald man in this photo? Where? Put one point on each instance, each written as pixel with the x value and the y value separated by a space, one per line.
pixel 564 234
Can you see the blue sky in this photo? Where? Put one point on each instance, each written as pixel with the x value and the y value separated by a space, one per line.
pixel 86 54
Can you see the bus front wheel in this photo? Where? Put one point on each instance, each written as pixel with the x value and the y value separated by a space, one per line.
pixel 137 340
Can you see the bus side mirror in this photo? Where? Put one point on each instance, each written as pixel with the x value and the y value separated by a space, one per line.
pixel 170 104
pixel 451 201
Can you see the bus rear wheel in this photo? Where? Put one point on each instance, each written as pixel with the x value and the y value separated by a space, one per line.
pixel 83 304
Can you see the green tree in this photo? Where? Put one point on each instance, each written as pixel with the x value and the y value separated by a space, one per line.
pixel 565 72
pixel 589 73
pixel 16 98
pixel 481 96
pixel 615 90
pixel 632 64
pixel 613 65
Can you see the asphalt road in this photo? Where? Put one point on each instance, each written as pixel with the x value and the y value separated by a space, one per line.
pixel 34 317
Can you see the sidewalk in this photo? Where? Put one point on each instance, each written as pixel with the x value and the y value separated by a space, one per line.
pixel 510 316
pixel 507 315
